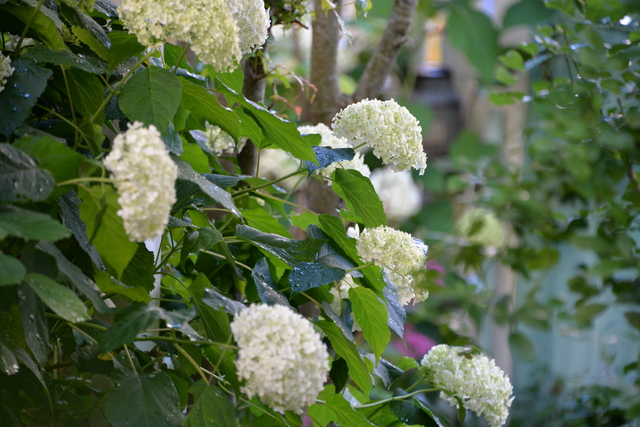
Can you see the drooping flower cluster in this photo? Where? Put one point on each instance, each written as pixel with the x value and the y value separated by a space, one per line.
pixel 218 141
pixel 281 357
pixel 400 195
pixel 329 139
pixel 253 22
pixel 481 226
pixel 144 176
pixel 6 70
pixel 471 380
pixel 211 28
pixel 401 257
pixel 389 128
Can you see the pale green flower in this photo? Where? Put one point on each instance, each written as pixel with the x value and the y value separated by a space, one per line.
pixel 219 141
pixel 400 195
pixel 472 380
pixel 389 128
pixel 206 25
pixel 144 176
pixel 481 226
pixel 5 70
pixel 253 22
pixel 281 357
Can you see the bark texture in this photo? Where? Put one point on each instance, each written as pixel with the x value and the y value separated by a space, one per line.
pixel 253 88
pixel 384 58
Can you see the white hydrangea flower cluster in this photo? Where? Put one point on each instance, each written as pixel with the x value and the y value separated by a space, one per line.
pixel 473 380
pixel 330 140
pixel 482 227
pixel 400 195
pixel 281 357
pixel 218 141
pixel 253 22
pixel 389 128
pixel 207 25
pixel 144 176
pixel 6 70
pixel 399 255
pixel 340 292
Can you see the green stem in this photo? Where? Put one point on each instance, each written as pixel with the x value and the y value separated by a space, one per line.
pixel 61 117
pixel 360 267
pixel 286 202
pixel 26 28
pixel 184 52
pixel 193 362
pixel 311 299
pixel 258 187
pixel 120 84
pixel 223 257
pixel 179 341
pixel 87 179
pixel 73 112
pixel 168 256
pixel 83 333
pixel 391 399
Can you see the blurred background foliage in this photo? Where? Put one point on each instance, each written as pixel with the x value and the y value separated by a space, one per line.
pixel 531 116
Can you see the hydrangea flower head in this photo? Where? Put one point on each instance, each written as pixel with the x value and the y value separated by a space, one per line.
pixel 6 70
pixel 144 176
pixel 330 140
pixel 389 128
pixel 253 22
pixel 471 380
pixel 281 357
pixel 207 25
pixel 481 226
pixel 393 250
pixel 219 141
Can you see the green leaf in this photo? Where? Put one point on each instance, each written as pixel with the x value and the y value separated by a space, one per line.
pixel 468 149
pixel 99 211
pixel 348 351
pixel 397 314
pixel 277 132
pixel 263 221
pixel 194 240
pixel 44 24
pixel 407 363
pixel 216 322
pixel 64 58
pixel 325 156
pixel 360 196
pixel 526 12
pixel 440 421
pixel 123 46
pixel 334 228
pixel 20 93
pixel 233 80
pixel 218 301
pixel 521 346
pixel 512 59
pixel 110 285
pixel 87 92
pixel 20 178
pixel 152 96
pixel 34 323
pixel 633 317
pixel 30 225
pixel 62 300
pixel 133 320
pixel 86 37
pixel 75 275
pixel 473 33
pixel 205 105
pixel 53 156
pixel 343 413
pixel 371 314
pixel 143 400
pixel 11 270
pixel 264 284
pixel 186 173
pixel 225 360
pixel 70 212
pixel 309 275
pixel 211 409
pixel 290 251
pixel 339 373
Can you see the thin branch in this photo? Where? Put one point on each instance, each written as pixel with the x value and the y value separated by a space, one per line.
pixel 384 58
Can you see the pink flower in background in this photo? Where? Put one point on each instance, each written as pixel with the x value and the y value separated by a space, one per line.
pixel 418 344
pixel 434 265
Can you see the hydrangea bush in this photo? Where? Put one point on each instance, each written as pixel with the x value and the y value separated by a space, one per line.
pixel 143 278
